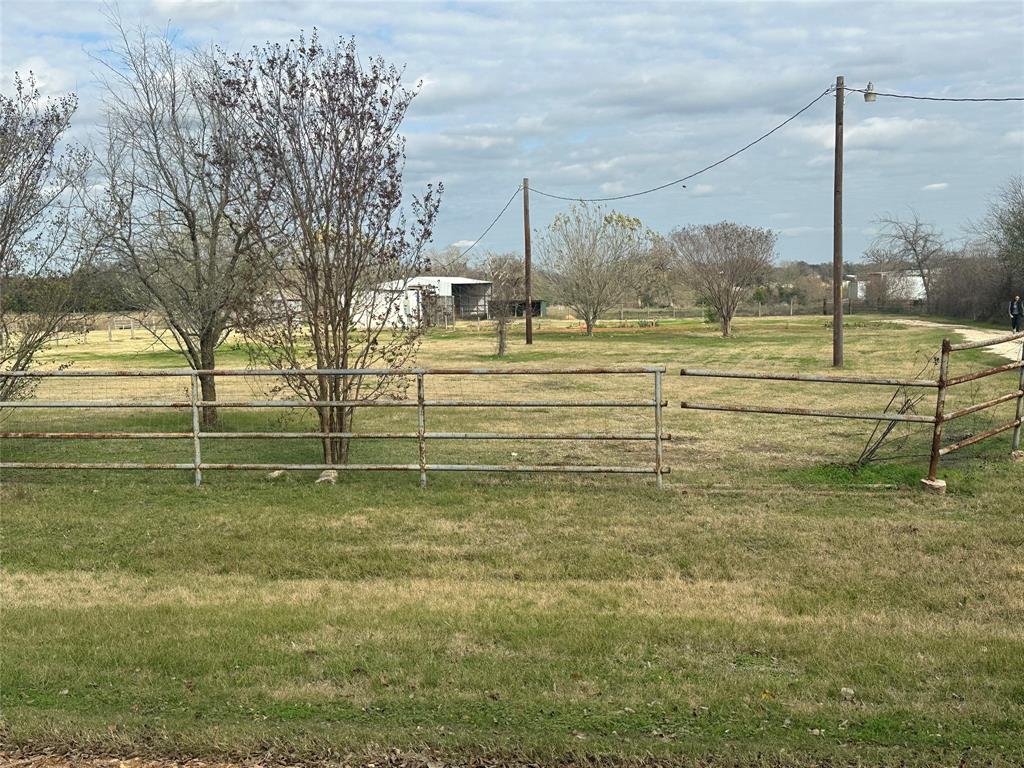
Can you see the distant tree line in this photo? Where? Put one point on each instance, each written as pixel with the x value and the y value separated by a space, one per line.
pixel 90 288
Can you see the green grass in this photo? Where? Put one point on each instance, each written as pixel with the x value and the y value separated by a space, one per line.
pixel 540 618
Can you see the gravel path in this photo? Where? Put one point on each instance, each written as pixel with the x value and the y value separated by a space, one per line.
pixel 1011 350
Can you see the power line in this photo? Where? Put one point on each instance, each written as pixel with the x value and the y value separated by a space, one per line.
pixel 706 168
pixel 489 226
pixel 758 140
pixel 932 98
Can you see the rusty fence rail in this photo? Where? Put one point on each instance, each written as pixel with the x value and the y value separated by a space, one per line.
pixel 946 382
pixel 809 378
pixel 196 404
pixel 940 385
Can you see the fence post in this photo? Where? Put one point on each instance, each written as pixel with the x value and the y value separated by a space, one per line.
pixel 932 482
pixel 196 454
pixel 1020 403
pixel 421 429
pixel 657 427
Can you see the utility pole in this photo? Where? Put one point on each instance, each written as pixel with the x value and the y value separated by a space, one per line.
pixel 527 260
pixel 837 232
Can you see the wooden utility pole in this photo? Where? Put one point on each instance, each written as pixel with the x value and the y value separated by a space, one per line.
pixel 837 232
pixel 527 260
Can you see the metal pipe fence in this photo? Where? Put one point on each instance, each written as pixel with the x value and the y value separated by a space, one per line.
pixel 946 383
pixel 808 378
pixel 200 436
pixel 942 385
pixel 197 435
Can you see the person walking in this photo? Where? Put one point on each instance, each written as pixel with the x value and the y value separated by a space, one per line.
pixel 1016 313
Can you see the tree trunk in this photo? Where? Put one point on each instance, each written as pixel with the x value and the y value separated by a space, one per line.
pixel 335 418
pixel 340 419
pixel 589 321
pixel 502 336
pixel 208 384
pixel 726 325
pixel 323 414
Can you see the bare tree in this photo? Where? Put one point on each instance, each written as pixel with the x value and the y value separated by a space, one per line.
pixel 972 283
pixel 507 278
pixel 40 234
pixel 723 263
pixel 328 157
pixel 171 172
pixel 589 257
pixel 653 275
pixel 918 245
pixel 1003 229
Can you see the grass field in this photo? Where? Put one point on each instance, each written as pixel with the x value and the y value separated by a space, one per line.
pixel 545 618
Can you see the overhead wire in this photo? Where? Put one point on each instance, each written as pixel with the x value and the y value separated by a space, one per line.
pixel 495 221
pixel 933 98
pixel 731 155
pixel 705 169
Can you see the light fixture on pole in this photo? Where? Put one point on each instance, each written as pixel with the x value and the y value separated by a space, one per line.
pixel 869 93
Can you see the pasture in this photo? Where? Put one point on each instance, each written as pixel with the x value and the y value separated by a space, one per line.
pixel 773 604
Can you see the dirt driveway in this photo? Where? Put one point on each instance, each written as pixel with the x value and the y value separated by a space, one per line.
pixel 1011 350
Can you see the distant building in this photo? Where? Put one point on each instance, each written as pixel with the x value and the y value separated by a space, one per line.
pixel 855 288
pixel 434 300
pixel 898 285
pixel 429 300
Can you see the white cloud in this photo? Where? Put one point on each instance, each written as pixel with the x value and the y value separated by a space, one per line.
pixel 532 124
pixel 462 243
pixel 50 80
pixel 634 95
pixel 935 187
pixel 441 92
pixel 196 9
pixel 887 133
pixel 802 231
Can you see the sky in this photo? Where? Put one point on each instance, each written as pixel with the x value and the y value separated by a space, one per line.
pixel 592 99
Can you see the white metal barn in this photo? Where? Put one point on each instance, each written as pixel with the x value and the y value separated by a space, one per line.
pixel 434 299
